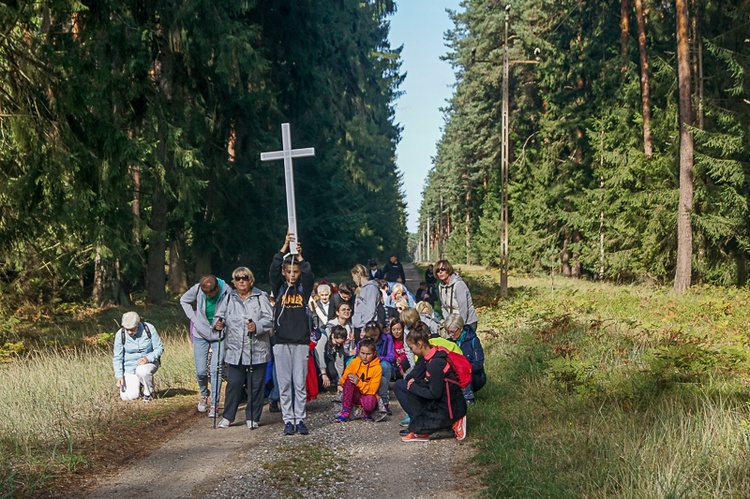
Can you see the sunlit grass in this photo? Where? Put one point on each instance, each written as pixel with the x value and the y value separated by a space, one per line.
pixel 604 391
pixel 56 401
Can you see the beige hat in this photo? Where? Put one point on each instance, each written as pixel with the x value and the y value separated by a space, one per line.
pixel 130 320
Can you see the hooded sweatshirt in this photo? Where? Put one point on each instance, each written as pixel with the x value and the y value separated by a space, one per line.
pixel 455 298
pixel 369 375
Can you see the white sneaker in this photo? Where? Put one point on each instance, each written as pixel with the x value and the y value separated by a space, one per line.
pixel 252 424
pixel 224 423
pixel 202 404
pixel 211 411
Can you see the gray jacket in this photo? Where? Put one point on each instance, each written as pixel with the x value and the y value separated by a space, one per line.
pixel 193 302
pixel 366 305
pixel 239 344
pixel 455 298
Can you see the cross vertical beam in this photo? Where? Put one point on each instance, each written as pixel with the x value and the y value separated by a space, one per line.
pixel 287 154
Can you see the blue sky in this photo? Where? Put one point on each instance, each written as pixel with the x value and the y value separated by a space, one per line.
pixel 419 26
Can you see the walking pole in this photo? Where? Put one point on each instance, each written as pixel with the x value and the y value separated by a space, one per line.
pixel 250 396
pixel 217 385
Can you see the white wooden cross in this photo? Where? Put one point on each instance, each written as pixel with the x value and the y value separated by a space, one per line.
pixel 287 153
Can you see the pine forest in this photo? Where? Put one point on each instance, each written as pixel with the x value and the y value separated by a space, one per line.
pixel 627 141
pixel 131 134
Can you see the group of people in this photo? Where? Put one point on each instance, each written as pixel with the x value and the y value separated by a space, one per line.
pixel 367 338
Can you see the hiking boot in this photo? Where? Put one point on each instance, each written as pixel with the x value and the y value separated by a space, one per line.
pixel 343 417
pixel 289 429
pixel 212 411
pixel 302 429
pixel 416 437
pixel 459 428
pixel 405 422
pixel 273 407
pixel 403 432
pixel 224 423
pixel 147 398
pixel 252 424
pixel 203 404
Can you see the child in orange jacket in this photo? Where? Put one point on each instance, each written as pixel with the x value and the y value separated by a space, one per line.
pixel 361 380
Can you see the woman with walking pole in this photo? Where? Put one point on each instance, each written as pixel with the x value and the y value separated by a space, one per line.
pixel 248 322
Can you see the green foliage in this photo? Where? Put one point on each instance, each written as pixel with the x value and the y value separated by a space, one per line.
pixel 583 197
pixel 133 128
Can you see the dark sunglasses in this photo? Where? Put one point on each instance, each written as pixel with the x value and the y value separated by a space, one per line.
pixel 242 278
pixel 441 269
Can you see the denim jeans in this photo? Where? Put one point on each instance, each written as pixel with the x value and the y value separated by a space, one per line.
pixel 385 381
pixel 200 354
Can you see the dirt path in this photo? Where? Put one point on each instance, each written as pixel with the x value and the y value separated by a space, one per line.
pixel 354 459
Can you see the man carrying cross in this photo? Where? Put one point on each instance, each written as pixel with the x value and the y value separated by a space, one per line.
pixel 292 280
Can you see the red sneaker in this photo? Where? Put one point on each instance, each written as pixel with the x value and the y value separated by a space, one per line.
pixel 415 437
pixel 459 428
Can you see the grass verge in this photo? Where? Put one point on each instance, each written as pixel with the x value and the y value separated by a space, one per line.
pixel 604 391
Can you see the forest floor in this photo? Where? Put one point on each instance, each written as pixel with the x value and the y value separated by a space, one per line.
pixel 354 459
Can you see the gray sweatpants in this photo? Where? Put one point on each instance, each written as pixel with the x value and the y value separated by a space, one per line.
pixel 291 373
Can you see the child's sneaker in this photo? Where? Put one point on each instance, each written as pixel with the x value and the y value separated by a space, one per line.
pixel 459 428
pixel 357 413
pixel 289 429
pixel 252 424
pixel 405 422
pixel 302 428
pixel 203 404
pixel 388 409
pixel 416 437
pixel 343 417
pixel 147 398
pixel 379 416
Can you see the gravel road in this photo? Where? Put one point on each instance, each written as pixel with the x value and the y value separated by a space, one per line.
pixel 356 459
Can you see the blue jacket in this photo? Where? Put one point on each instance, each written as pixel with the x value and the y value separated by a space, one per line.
pixel 472 349
pixel 136 346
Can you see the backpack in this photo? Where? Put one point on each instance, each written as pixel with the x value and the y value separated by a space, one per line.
pixel 460 365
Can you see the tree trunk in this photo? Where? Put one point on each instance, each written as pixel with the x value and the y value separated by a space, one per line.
pixel 565 258
pixel 645 83
pixel 177 279
pixel 157 246
pixel 107 281
pixel 684 228
pixel 624 35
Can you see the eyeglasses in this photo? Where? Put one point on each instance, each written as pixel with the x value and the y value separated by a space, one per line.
pixel 441 269
pixel 242 278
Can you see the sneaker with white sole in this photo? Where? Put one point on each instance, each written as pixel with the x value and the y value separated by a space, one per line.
pixel 211 411
pixel 416 437
pixel 224 423
pixel 252 424
pixel 203 404
pixel 459 428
